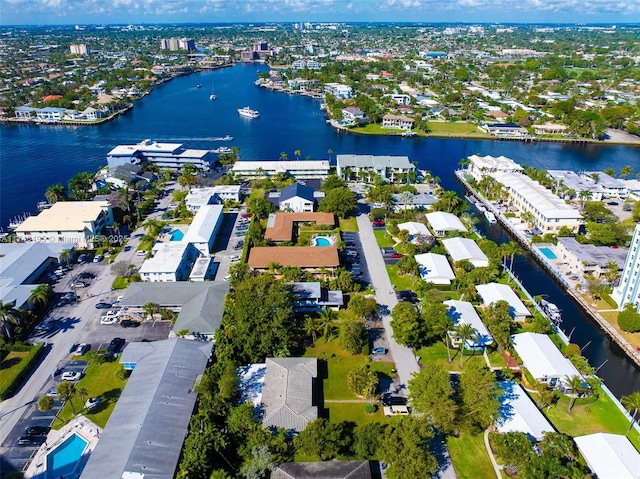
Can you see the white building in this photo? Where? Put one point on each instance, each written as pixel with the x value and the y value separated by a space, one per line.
pixel 518 413
pixel 442 222
pixel 300 169
pixel 171 262
pixel 493 292
pixel 297 198
pixel 434 268
pixel 609 456
pixel 76 222
pixel 204 228
pixel 544 360
pixel 463 312
pixel 79 49
pixel 480 166
pixel 415 229
pixel 166 155
pixel 397 121
pixel 384 165
pixel 211 195
pixel 464 248
pixel 628 289
pixel 201 269
pixel 338 90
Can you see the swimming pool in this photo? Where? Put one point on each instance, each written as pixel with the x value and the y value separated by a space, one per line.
pixel 320 241
pixel 64 459
pixel 548 253
pixel 176 235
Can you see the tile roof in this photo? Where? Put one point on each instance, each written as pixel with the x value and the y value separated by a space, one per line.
pixel 304 256
pixel 280 225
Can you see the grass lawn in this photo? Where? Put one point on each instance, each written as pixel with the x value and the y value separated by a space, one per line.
pixel 455 128
pixel 469 456
pixel 612 319
pixel 438 353
pixel 348 224
pixel 400 281
pixel 601 416
pixel 383 238
pixel 339 364
pixel 101 381
pixel 11 366
pixel 354 412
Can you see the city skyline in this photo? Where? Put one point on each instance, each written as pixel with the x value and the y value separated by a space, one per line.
pixel 57 12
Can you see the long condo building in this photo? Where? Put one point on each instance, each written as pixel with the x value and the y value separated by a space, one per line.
pixel 172 156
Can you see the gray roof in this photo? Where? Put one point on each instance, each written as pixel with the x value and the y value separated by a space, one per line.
pixel 296 189
pixel 323 470
pixel 202 303
pixel 287 395
pixel 149 423
pixel 595 255
pixel 375 161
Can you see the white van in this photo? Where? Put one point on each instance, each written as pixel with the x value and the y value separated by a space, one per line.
pixel 390 411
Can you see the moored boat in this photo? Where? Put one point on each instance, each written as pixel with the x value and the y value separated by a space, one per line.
pixel 551 310
pixel 491 218
pixel 248 112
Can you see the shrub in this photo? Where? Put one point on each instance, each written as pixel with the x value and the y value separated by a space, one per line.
pixel 8 384
pixel 629 319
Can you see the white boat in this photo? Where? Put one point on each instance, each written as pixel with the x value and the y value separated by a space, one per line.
pixel 227 138
pixel 491 218
pixel 248 112
pixel 551 310
pixel 222 149
pixel 213 96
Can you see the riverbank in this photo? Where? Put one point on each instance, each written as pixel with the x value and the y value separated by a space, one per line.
pixel 553 271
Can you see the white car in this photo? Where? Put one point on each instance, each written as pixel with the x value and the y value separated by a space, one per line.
pixel 71 375
pixel 108 320
pixel 141 253
pixel 91 403
pixel 234 257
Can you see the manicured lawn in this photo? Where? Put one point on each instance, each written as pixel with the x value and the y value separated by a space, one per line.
pixel 612 319
pixel 383 238
pixel 601 416
pixel 469 456
pixel 102 381
pixel 457 128
pixel 354 412
pixel 400 281
pixel 348 224
pixel 11 365
pixel 339 364
pixel 437 352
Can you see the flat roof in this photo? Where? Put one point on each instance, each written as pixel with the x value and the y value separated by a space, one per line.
pixel 610 456
pixel 261 257
pixel 492 163
pixel 284 166
pixel 443 221
pixel 375 161
pixel 150 421
pixel 591 254
pixel 280 225
pixel 65 216
pixel 494 292
pixel 167 258
pixel 518 413
pixel 204 225
pixel 541 357
pixel 465 248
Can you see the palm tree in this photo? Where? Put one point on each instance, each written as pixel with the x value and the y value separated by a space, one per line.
pixel 82 393
pixel 330 152
pixel 405 198
pixel 41 294
pixel 575 384
pixel 464 331
pixel 325 322
pixel 297 153
pixel 65 256
pixel 66 390
pixel 632 403
pixel 283 155
pixel 510 249
pixel 441 329
pixel 9 315
pixel 311 327
pixel 45 403
pixel 55 193
pixel 626 171
pixel 150 309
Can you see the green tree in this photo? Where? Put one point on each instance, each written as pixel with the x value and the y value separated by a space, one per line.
pixel 367 440
pixel 341 201
pixel 41 295
pixel 430 392
pixel 66 391
pixel 150 309
pixel 513 448
pixel 352 336
pixel 407 324
pixel 405 450
pixel 479 395
pixel 363 307
pixel 297 153
pixel 576 386
pixel 331 182
pixel 629 319
pixel 326 322
pixel 45 403
pixel 631 402
pixel 55 193
pixel 80 186
pixel 363 381
pixel 499 322
pixel 9 316
pixel 464 331
pixel 322 439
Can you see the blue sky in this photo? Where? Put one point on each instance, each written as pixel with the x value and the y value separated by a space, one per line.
pixel 27 12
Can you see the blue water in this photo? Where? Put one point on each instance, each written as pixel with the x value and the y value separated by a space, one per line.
pixel 548 253
pixel 176 235
pixel 32 158
pixel 322 242
pixel 64 459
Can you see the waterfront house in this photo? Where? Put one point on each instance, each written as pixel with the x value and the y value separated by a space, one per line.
pixel 338 90
pixel 204 228
pixel 300 169
pixel 480 166
pixel 325 470
pixel 569 181
pixel 628 289
pixel 465 248
pixel 463 312
pixel 609 456
pixel 418 232
pixel 434 268
pixel 281 226
pixel 518 413
pixel 505 130
pixel 172 156
pixel 611 187
pixel 144 421
pixel 550 129
pixel 421 201
pixel 388 167
pixel 493 292
pixel 544 361
pixel 442 223
pixel 50 114
pixel 353 115
pixel 76 222
pixel 314 259
pixel 397 121
pixel 583 259
pixel 171 262
pixel 311 296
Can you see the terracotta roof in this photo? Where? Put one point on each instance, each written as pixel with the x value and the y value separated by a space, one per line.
pixel 304 256
pixel 51 98
pixel 280 225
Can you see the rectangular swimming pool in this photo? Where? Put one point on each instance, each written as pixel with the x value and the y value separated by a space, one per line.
pixel 548 253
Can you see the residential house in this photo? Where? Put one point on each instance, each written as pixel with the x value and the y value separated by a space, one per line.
pixel 297 198
pixel 397 121
pixel 585 259
pixel 325 470
pixel 353 115
pixel 311 296
pixel 463 312
pixel 505 130
pixel 442 223
pixel 465 249
pixel 434 268
pixel 480 166
pixel 493 292
pixel 518 413
pixel 421 201
pixel 338 90
pixel 609 456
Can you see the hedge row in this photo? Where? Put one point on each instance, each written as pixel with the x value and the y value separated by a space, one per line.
pixel 10 383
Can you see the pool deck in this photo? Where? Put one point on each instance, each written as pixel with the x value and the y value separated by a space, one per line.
pixel 81 426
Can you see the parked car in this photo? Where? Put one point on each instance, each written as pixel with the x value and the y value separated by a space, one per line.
pixel 396 255
pixel 60 271
pixel 82 258
pixel 141 253
pixel 53 393
pixel 37 430
pixel 114 346
pixel 390 411
pixel 78 284
pixel 98 258
pixel 81 349
pixel 612 203
pixel 234 257
pixel 71 376
pixel 86 275
pixel 108 320
pixel 129 323
pixel 247 215
pixel 352 253
pixel 391 400
pixel 238 245
pixel 31 440
pixel 227 277
pixel 69 297
pixel 378 222
pixel 103 305
pixel 241 233
pixel 91 403
pixel 378 351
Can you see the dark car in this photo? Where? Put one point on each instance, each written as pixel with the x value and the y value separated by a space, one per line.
pixel 86 275
pixel 114 346
pixel 391 400
pixel 406 295
pixel 396 255
pixel 37 430
pixel 31 440
pixel 102 305
pixel 128 323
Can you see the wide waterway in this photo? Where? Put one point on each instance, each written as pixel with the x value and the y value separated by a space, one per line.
pixel 32 158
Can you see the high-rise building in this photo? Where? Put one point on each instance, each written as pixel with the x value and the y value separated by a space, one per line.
pixel 174 44
pixel 628 290
pixel 80 49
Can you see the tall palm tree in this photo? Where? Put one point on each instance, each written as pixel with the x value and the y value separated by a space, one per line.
pixel 283 155
pixel 65 256
pixel 464 331
pixel 150 309
pixel 510 249
pixel 66 390
pixel 325 322
pixel 405 198
pixel 41 294
pixel 297 153
pixel 311 327
pixel 83 394
pixel 9 315
pixel 575 384
pixel 632 403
